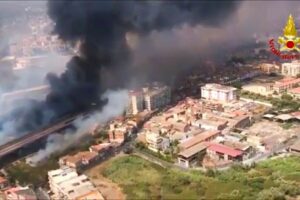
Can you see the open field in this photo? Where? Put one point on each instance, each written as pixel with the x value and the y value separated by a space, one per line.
pixel 140 179
pixel 109 189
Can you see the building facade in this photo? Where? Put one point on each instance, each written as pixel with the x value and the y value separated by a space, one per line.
pixel 66 184
pixel 286 84
pixel 262 89
pixel 135 103
pixel 157 97
pixel 269 68
pixel 291 69
pixel 224 152
pixel 218 92
pixel 156 142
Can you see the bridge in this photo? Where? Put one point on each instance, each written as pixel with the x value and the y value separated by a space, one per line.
pixel 30 138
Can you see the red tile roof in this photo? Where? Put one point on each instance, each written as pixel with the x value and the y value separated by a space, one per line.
pixel 286 81
pixel 295 90
pixel 220 148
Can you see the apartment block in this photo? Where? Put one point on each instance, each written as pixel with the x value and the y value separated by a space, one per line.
pixel 218 92
pixel 136 103
pixel 157 97
pixel 66 184
pixel 291 69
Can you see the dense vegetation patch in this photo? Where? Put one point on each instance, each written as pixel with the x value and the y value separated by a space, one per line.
pixel 140 179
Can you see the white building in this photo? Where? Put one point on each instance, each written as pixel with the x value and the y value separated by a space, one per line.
pixel 291 69
pixel 58 176
pixel 264 89
pixel 218 92
pixel 65 183
pixel 157 97
pixel 156 142
pixel 136 103
pixel 269 68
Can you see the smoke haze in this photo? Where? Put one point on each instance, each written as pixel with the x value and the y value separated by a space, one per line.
pixel 174 50
pixel 117 100
pixel 166 38
pixel 103 62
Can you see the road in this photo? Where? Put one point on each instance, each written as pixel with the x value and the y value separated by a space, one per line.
pixel 34 136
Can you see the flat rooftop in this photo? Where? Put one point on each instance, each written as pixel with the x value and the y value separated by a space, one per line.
pixel 218 87
pixel 201 137
pixel 193 150
pixel 77 186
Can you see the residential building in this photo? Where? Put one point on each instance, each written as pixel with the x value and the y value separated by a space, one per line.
pixel 291 69
pixel 247 149
pixel 66 184
pixel 295 92
pixel 285 84
pixel 20 193
pixel 264 89
pixel 218 92
pixel 136 102
pixel 212 106
pixel 241 122
pixel 223 152
pixel 269 68
pixel 192 156
pixel 212 124
pixel 79 188
pixel 58 176
pixel 118 136
pixel 80 160
pixel 201 137
pixel 156 142
pixel 157 97
pixel 101 148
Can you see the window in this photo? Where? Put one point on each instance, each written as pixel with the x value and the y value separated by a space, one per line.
pixel 71 191
pixel 76 184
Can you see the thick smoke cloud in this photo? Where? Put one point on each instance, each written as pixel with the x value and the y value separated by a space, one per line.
pixel 117 100
pixel 18 80
pixel 173 50
pixel 170 36
pixel 100 28
pixel 162 39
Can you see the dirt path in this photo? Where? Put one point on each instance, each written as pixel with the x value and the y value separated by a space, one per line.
pixel 109 189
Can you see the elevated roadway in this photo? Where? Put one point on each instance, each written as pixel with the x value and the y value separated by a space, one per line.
pixel 30 138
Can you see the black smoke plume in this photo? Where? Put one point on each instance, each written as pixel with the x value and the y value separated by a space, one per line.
pixel 104 56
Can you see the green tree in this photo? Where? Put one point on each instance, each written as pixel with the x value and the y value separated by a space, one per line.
pixel 286 97
pixel 271 194
pixel 140 145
